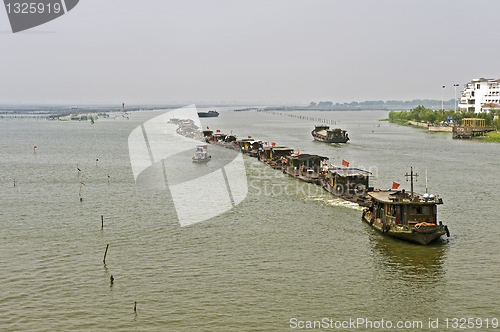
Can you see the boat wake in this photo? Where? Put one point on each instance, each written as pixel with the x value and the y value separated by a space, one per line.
pixel 328 200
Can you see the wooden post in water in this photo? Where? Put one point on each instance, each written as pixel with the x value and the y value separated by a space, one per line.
pixel 102 221
pixel 135 306
pixel 105 253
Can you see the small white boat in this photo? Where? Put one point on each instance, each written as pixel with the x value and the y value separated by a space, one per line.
pixel 201 154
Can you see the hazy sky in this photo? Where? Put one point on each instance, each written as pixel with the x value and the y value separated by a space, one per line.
pixel 159 51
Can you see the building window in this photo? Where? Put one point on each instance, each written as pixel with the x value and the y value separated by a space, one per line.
pixel 478 86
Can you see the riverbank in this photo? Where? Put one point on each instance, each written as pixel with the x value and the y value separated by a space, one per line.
pixel 492 136
pixel 422 125
pixel 421 117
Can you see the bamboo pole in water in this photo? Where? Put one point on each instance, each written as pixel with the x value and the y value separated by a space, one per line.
pixel 105 253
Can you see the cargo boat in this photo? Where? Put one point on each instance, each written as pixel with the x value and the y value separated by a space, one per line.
pixel 327 135
pixel 350 184
pixel 406 216
pixel 209 114
pixel 306 167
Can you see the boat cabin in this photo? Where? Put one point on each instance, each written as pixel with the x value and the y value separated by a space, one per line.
pixel 348 181
pixel 218 137
pixel 305 165
pixel 402 208
pixel 245 143
pixel 319 128
pixel 230 138
pixel 208 134
pixel 274 153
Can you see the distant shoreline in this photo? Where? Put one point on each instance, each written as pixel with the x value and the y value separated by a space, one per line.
pixel 492 136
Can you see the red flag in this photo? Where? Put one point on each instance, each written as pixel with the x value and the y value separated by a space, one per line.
pixel 298 152
pixel 218 130
pixel 207 127
pixel 36 147
pixel 249 136
pixel 345 163
pixel 395 185
pixel 273 144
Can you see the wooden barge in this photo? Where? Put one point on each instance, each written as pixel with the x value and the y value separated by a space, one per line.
pixel 325 134
pixel 351 184
pixel 274 156
pixel 306 167
pixel 406 216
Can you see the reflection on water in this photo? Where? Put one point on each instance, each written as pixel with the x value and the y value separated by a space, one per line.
pixel 411 261
pixel 408 272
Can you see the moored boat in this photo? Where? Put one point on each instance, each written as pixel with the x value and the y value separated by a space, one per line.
pixel 406 216
pixel 327 135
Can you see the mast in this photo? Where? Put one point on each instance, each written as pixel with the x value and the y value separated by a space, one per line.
pixel 411 175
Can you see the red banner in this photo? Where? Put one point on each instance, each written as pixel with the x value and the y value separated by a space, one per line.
pixel 395 185
pixel 345 163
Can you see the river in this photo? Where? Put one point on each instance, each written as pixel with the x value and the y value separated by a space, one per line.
pixel 289 253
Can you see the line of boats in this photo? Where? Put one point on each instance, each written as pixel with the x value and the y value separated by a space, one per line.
pixel 399 214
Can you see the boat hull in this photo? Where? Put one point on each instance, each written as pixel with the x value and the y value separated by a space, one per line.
pixel 208 114
pixel 361 200
pixel 423 235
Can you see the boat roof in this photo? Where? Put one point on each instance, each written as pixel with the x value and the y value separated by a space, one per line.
pixel 277 148
pixel 402 197
pixel 306 156
pixel 349 172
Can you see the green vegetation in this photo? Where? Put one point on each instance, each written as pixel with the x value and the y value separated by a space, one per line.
pixel 380 104
pixel 492 136
pixel 422 114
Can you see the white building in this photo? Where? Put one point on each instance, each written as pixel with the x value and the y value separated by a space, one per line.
pixel 478 92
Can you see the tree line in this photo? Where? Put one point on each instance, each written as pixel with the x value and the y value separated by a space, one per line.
pixel 385 104
pixel 422 114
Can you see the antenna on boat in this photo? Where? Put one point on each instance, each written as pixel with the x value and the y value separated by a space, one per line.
pixel 426 179
pixel 411 175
